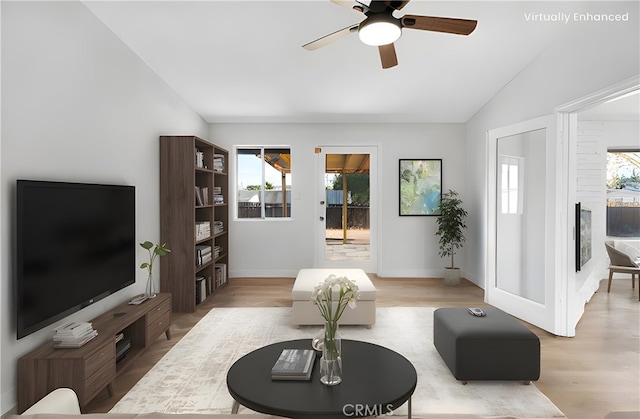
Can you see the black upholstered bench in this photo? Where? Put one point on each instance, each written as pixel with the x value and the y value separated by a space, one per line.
pixel 493 347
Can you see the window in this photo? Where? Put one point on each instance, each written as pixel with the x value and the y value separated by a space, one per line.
pixel 510 184
pixel 264 182
pixel 623 193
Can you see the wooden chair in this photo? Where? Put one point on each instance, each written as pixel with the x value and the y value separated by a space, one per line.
pixel 622 263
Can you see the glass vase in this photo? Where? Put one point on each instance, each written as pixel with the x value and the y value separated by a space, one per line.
pixel 331 361
pixel 151 289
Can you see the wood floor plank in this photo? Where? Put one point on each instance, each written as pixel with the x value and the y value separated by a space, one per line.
pixel 588 376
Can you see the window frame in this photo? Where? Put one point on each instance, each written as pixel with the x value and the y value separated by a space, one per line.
pixel 263 180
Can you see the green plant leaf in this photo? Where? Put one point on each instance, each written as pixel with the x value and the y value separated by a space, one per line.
pixel 158 250
pixel 161 251
pixel 147 245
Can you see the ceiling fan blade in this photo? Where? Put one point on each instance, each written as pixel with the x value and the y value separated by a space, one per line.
pixel 396 4
pixel 351 4
pixel 332 37
pixel 388 56
pixel 439 24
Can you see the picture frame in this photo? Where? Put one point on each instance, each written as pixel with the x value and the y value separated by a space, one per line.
pixel 583 236
pixel 420 182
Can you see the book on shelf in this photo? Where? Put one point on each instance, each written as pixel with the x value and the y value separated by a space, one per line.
pixel 218 227
pixel 72 330
pixel 203 254
pixel 220 271
pixel 205 194
pixel 73 335
pixel 294 364
pixel 201 289
pixel 200 159
pixel 218 199
pixel 203 230
pixel 202 195
pixel 76 343
pixel 209 282
pixel 218 162
pixel 198 196
pixel 217 251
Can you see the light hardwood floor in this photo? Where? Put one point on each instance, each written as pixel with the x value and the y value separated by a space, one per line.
pixel 588 376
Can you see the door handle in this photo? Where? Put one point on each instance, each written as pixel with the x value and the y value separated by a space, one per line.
pixel 321 218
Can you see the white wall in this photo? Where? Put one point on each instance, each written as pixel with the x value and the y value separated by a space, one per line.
pixel 591 179
pixel 590 56
pixel 407 245
pixel 77 105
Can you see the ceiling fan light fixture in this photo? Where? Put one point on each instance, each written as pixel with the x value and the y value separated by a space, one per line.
pixel 380 29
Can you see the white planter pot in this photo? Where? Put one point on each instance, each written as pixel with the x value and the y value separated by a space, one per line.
pixel 452 276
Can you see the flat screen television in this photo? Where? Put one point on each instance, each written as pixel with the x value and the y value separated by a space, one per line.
pixel 75 245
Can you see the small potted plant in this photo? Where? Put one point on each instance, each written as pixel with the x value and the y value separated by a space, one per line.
pixel 158 250
pixel 451 222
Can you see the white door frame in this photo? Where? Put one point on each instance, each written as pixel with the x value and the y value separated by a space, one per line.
pixel 370 266
pixel 568 119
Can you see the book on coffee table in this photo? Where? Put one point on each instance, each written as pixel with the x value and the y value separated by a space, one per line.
pixel 294 364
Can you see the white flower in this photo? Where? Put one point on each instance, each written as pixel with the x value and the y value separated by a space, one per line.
pixel 323 296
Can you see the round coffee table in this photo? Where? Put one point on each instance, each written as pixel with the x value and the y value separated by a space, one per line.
pixel 375 381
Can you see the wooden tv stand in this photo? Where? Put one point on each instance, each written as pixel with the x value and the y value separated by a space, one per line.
pixel 91 368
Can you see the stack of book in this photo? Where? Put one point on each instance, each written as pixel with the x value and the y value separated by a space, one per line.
pixel 217 251
pixel 218 197
pixel 203 230
pixel 73 335
pixel 294 364
pixel 218 227
pixel 218 162
pixel 203 254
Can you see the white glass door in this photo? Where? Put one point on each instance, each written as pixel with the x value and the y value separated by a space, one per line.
pixel 524 216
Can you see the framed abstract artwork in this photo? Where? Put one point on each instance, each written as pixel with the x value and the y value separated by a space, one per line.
pixel 420 186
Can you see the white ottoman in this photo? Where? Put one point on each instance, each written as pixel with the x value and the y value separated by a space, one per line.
pixel 307 313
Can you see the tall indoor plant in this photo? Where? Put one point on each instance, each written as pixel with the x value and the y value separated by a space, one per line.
pixel 451 222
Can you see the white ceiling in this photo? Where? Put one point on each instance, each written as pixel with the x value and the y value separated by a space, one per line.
pixel 242 61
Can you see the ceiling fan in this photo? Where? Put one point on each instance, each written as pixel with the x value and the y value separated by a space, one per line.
pixel 380 28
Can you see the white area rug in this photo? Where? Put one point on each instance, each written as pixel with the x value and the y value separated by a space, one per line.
pixel 191 377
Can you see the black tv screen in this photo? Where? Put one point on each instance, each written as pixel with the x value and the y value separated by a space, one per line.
pixel 75 244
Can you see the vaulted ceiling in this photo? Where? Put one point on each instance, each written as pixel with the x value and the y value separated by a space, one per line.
pixel 243 61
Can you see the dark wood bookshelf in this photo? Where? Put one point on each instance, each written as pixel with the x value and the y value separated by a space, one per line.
pixel 180 210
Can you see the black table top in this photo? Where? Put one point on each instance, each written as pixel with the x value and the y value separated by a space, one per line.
pixel 375 380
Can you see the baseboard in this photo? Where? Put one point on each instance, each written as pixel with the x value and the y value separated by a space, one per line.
pixel 411 273
pixel 262 273
pixel 383 273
